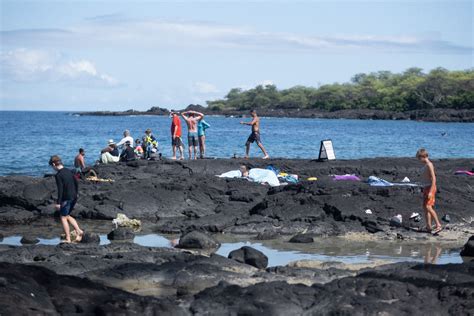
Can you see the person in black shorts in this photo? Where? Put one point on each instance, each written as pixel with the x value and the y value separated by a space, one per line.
pixel 255 135
pixel 67 197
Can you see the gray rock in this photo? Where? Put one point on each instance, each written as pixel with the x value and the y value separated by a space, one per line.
pixel 301 239
pixel 29 240
pixel 197 240
pixel 90 238
pixel 121 233
pixel 249 256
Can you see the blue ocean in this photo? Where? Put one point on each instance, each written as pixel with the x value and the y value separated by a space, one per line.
pixel 28 139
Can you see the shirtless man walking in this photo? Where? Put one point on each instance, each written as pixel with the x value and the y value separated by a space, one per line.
pixel 255 135
pixel 192 119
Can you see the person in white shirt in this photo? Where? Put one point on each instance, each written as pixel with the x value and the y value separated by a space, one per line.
pixel 126 138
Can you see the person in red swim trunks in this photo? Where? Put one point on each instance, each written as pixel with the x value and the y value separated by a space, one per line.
pixel 176 132
pixel 429 191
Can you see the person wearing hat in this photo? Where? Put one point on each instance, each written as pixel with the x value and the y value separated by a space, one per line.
pixel 149 142
pixel 110 153
pixel 68 188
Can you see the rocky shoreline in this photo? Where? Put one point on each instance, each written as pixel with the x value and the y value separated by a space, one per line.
pixel 428 115
pixel 179 195
pixel 187 199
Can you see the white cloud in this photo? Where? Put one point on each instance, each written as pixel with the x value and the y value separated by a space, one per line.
pixel 153 33
pixel 204 87
pixel 25 65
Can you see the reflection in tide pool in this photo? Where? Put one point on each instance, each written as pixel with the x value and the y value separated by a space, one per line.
pixel 281 253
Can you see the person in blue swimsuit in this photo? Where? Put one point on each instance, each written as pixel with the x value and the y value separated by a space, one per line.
pixel 202 126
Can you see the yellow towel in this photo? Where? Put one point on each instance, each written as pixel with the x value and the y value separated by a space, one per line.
pixel 99 179
pixel 312 179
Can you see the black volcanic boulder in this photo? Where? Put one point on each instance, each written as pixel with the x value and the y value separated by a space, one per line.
pixel 468 250
pixel 29 240
pixel 90 238
pixel 249 256
pixel 197 240
pixel 302 239
pixel 121 233
pixel 30 290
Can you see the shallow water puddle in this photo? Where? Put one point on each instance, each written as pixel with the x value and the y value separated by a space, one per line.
pixel 280 252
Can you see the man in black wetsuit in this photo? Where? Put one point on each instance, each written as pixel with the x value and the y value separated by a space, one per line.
pixel 67 197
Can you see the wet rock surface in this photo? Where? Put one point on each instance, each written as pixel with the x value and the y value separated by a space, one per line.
pixel 64 278
pixel 182 195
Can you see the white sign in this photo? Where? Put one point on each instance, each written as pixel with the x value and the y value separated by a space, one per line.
pixel 326 151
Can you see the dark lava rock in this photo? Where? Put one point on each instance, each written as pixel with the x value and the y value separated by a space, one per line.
pixel 121 233
pixel 446 218
pixel 28 290
pixel 16 215
pixel 29 240
pixel 1 237
pixel 267 235
pixel 395 221
pixel 398 289
pixel 272 298
pixel 249 256
pixel 468 249
pixel 301 239
pixel 164 192
pixel 372 226
pixel 197 240
pixel 90 238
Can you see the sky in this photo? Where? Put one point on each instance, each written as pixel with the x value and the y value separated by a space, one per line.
pixel 118 55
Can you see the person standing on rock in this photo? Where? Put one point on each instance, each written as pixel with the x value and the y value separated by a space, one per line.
pixel 79 162
pixel 429 191
pixel 67 197
pixel 192 119
pixel 255 135
pixel 202 126
pixel 176 132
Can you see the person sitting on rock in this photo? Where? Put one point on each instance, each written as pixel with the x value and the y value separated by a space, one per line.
pixel 139 148
pixel 68 189
pixel 110 153
pixel 149 142
pixel 128 154
pixel 126 138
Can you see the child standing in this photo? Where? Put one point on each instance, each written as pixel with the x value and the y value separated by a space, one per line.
pixel 429 191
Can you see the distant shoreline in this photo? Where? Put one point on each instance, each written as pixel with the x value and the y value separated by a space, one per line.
pixel 428 115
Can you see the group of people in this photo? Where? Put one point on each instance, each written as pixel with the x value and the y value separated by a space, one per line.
pixel 129 149
pixel 148 147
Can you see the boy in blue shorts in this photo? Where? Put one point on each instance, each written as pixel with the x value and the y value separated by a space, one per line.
pixel 67 197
